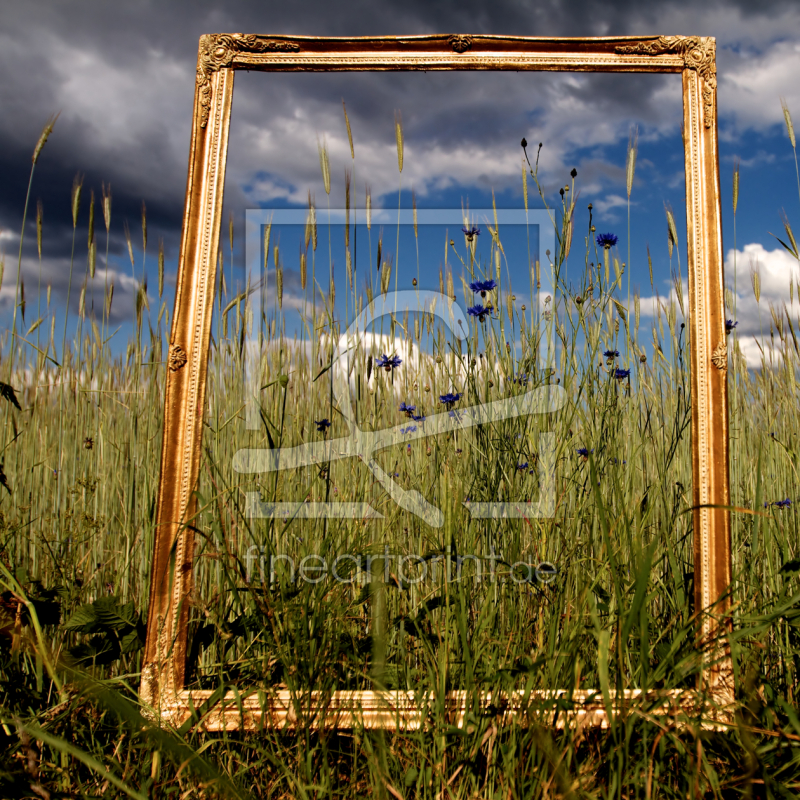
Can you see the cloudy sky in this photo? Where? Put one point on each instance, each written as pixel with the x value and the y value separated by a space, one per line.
pixel 122 77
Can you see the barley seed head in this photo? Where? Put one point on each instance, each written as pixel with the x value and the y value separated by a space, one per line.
pixel 77 188
pixel 398 132
pixel 43 137
pixel 788 119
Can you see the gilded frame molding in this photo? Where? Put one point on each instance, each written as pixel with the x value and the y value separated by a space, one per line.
pixel 219 56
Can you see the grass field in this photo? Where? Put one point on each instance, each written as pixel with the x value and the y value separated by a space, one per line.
pixel 80 471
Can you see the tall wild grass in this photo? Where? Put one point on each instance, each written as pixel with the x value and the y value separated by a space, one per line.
pixel 79 477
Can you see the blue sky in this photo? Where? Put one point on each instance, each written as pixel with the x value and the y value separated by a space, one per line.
pixel 123 80
pixel 465 159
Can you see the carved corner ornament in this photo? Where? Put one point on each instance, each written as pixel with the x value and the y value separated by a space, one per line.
pixel 460 42
pixel 177 357
pixel 699 53
pixel 719 358
pixel 218 50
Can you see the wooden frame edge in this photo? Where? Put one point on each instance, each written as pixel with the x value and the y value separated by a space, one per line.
pixel 404 711
pixel 219 56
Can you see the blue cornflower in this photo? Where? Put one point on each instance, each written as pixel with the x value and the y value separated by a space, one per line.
pixel 407 409
pixel 522 378
pixel 409 429
pixel 607 240
pixel 449 399
pixel 470 233
pixel 611 354
pixel 388 363
pixel 418 417
pixel 483 286
pixel 730 325
pixel 478 311
pixel 322 425
pixel 621 374
pixel 582 451
pixel 523 466
pixel 783 503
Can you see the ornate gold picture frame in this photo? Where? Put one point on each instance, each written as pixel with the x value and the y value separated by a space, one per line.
pixel 220 55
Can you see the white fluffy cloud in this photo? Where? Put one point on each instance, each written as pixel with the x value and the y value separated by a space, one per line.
pixel 565 111
pixel 776 269
pixel 750 89
pixel 612 201
pixel 55 274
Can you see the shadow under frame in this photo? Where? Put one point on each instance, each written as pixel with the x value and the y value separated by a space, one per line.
pixel 219 56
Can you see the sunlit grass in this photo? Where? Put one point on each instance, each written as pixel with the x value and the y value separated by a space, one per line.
pixel 81 464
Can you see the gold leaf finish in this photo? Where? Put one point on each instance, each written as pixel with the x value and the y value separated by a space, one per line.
pixel 218 51
pixel 219 55
pixel 699 53
pixel 410 711
pixel 177 357
pixel 720 356
pixel 710 475
pixel 460 42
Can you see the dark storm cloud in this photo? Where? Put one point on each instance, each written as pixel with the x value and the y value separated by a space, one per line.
pixel 122 76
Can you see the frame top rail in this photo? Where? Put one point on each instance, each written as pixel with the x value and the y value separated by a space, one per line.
pixel 454 52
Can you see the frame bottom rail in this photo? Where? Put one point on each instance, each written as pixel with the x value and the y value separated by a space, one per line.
pixel 411 711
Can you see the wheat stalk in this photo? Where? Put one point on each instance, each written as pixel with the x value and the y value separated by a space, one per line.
pixel 398 133
pixel 349 132
pixel 325 166
pixel 43 137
